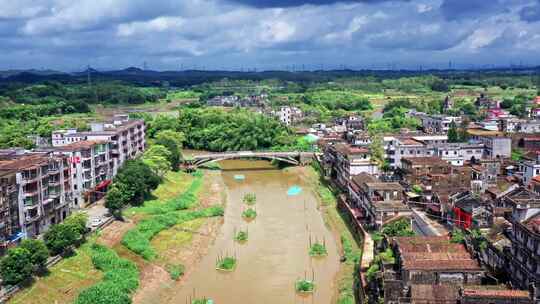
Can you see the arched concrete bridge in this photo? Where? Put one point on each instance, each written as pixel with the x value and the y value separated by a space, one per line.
pixel 293 158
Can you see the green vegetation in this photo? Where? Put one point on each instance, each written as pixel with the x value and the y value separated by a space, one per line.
pixel 304 286
pixel 61 237
pixel 121 279
pixel 318 250
pixel 16 266
pixel 249 214
pixel 250 199
pixel 185 200
pixel 138 239
pixel 175 271
pixel 200 301
pixel 458 236
pixel 401 227
pixel 132 185
pixel 237 130
pixel 417 189
pixel 351 256
pixel 372 271
pixel 241 236
pixel 517 154
pixel 226 263
pixel 38 253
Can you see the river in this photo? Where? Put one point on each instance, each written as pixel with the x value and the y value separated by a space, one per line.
pixel 276 254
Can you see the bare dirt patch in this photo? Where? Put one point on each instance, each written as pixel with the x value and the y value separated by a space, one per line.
pixel 112 234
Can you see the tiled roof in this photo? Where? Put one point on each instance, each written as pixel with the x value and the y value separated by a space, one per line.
pixel 81 145
pixel 363 178
pixel 434 293
pixel 483 292
pixel 346 149
pixel 24 162
pixel 417 161
pixel 384 186
pixel 434 253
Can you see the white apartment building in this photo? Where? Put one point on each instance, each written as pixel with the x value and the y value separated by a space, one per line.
pixel 127 138
pixel 288 115
pixel 91 169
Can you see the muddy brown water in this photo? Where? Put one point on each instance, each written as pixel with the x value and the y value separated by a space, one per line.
pixel 276 254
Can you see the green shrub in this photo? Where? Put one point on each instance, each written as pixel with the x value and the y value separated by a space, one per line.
pixel 304 286
pixel 138 239
pixel 250 199
pixel 175 271
pixel 318 250
pixel 16 266
pixel 350 255
pixel 249 214
pixel 200 301
pixel 226 263
pixel 186 200
pixel 241 236
pixel 120 280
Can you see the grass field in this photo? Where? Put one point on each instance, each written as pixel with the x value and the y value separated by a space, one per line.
pixel 64 281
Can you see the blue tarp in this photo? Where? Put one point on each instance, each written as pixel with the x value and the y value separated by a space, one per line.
pixel 294 190
pixel 239 177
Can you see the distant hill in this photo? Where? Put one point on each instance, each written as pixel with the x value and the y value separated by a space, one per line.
pixel 192 77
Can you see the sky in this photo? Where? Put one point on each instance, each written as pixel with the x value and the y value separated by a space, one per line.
pixel 268 34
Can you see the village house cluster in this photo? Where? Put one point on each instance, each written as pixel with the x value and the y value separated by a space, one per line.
pixel 41 187
pixel 473 206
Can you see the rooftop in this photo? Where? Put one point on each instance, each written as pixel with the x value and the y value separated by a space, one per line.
pixel 502 293
pixel 434 293
pixel 81 145
pixel 434 253
pixel 346 149
pixel 423 161
pixel 24 162
pixel 363 178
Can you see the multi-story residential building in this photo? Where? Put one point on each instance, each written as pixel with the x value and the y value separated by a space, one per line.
pixel 343 161
pixel 10 224
pixel 92 169
pixel 65 137
pixel 127 138
pixel 289 115
pixel 438 123
pixel 496 146
pixel 415 168
pixel 377 201
pixel 525 237
pixel 44 190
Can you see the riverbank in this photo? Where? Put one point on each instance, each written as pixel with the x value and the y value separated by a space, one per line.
pixel 71 275
pixel 349 245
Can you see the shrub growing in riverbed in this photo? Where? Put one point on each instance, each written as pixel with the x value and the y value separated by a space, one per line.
pixel 249 214
pixel 241 236
pixel 121 279
pixel 318 250
pixel 201 301
pixel 138 239
pixel 175 271
pixel 226 263
pixel 250 199
pixel 305 286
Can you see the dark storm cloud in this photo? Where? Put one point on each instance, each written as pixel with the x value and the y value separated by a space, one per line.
pixel 530 13
pixel 293 3
pixel 459 9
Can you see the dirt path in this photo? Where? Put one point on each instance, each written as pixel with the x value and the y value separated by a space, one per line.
pixel 112 234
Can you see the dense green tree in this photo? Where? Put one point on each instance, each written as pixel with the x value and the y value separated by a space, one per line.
pixel 173 141
pixel 116 200
pixel 38 252
pixel 16 266
pixel 157 157
pixel 59 238
pixel 453 135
